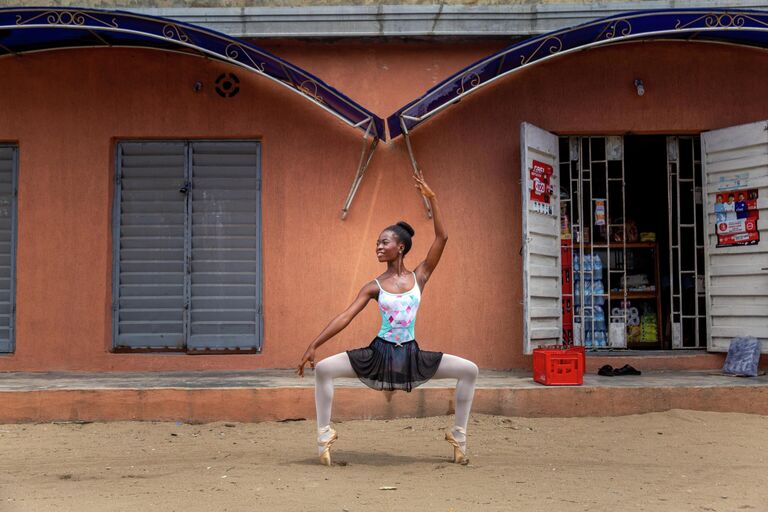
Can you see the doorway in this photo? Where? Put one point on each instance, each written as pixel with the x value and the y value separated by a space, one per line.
pixel 632 242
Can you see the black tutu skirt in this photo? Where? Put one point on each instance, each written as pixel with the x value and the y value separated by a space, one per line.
pixel 385 366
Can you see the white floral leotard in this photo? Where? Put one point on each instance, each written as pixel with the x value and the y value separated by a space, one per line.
pixel 398 313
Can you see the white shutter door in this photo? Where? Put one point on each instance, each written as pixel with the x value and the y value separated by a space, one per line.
pixel 149 242
pixel 226 215
pixel 542 308
pixel 8 157
pixel 736 159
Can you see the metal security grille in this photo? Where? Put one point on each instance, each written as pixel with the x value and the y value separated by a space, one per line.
pixel 187 247
pixel 594 172
pixel 687 296
pixel 8 176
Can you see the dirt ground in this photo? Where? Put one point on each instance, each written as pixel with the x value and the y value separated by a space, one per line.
pixel 672 461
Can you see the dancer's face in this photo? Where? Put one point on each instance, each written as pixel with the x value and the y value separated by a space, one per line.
pixel 387 246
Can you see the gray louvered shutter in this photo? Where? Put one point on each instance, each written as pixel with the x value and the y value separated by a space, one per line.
pixel 226 215
pixel 150 235
pixel 8 160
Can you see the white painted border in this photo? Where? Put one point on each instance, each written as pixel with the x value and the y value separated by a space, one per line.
pixel 521 20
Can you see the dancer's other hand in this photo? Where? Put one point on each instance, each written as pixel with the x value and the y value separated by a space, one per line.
pixel 309 357
pixel 423 187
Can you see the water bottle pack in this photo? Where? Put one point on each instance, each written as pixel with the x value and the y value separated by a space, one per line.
pixel 589 271
pixel 592 273
pixel 593 326
pixel 592 263
pixel 597 264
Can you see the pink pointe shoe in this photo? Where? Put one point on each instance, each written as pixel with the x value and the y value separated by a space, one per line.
pixel 459 453
pixel 325 446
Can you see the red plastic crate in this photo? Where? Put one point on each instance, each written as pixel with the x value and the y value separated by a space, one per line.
pixel 559 366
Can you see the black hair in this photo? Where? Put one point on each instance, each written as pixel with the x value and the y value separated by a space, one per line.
pixel 404 232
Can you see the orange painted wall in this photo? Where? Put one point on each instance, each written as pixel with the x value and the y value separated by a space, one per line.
pixel 66 109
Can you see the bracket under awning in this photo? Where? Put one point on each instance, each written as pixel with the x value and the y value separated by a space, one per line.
pixel 365 159
pixel 416 170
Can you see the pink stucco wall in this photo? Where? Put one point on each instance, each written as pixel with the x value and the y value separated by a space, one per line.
pixel 66 109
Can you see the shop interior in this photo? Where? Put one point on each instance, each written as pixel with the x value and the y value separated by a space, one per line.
pixel 632 242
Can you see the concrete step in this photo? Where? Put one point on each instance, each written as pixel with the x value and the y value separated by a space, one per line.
pixel 269 395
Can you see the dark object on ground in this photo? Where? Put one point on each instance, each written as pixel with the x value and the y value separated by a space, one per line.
pixel 627 370
pixel 609 371
pixel 743 357
pixel 606 371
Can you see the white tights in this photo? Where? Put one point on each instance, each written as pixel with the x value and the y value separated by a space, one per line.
pixel 451 367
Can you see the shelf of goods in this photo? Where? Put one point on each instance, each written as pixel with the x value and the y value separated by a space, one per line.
pixel 566 264
pixel 614 295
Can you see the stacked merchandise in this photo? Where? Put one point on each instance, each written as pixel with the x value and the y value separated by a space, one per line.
pixel 567 295
pixel 648 327
pixel 630 316
pixel 593 328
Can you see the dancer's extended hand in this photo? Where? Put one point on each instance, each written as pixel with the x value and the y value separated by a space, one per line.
pixel 309 357
pixel 423 187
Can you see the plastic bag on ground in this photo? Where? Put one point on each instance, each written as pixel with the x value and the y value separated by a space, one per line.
pixel 743 357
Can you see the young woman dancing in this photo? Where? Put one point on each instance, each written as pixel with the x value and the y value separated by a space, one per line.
pixel 393 360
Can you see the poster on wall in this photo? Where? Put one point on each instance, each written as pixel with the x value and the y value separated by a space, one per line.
pixel 736 217
pixel 540 186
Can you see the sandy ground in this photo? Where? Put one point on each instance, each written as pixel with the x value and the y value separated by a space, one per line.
pixel 675 461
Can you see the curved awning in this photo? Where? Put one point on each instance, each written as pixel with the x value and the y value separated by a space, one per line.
pixel 32 29
pixel 740 27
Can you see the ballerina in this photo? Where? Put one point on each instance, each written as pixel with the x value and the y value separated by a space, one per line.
pixel 393 360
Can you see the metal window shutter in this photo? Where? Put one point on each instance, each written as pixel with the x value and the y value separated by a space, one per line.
pixel 150 259
pixel 736 158
pixel 8 158
pixel 542 299
pixel 225 278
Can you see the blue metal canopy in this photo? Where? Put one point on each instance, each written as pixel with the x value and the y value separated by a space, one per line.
pixel 32 29
pixel 740 27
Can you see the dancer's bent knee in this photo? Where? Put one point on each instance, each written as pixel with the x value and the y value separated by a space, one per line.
pixel 334 367
pixel 454 367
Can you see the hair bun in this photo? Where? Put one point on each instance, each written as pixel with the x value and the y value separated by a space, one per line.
pixel 406 227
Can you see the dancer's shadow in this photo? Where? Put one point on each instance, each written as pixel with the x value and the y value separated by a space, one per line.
pixel 346 457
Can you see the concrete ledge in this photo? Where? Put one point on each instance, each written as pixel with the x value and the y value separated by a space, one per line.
pixel 656 360
pixel 513 395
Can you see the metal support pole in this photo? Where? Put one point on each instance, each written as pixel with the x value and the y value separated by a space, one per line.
pixel 416 170
pixel 365 158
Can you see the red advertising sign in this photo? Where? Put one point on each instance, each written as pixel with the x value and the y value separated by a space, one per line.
pixel 540 187
pixel 736 217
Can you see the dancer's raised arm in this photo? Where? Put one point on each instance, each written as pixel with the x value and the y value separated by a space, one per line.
pixel 426 267
pixel 367 292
